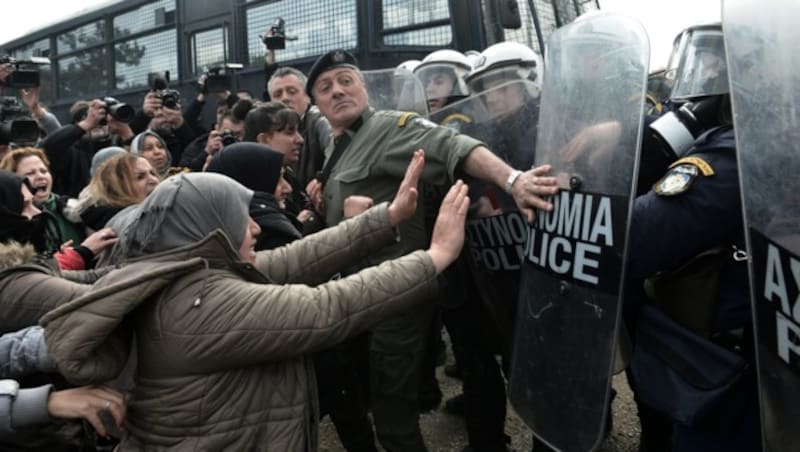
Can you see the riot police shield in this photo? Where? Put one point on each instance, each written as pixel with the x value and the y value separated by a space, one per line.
pixel 765 88
pixel 572 272
pixel 395 89
pixel 504 117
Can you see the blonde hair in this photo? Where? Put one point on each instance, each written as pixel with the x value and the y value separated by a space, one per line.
pixel 114 182
pixel 11 160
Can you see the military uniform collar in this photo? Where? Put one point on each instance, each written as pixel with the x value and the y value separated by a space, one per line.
pixel 355 126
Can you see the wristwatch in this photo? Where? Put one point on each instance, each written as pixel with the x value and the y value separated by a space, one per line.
pixel 511 179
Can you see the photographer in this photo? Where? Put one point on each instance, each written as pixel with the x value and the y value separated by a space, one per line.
pixel 30 96
pixel 229 130
pixel 70 148
pixel 161 112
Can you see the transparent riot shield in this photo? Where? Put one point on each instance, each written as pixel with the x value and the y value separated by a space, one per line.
pixel 572 272
pixel 395 89
pixel 764 72
pixel 504 117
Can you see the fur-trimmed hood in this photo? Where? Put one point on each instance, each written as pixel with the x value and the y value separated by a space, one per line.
pixel 13 253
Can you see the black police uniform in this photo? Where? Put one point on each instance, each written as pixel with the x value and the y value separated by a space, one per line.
pixel 695 207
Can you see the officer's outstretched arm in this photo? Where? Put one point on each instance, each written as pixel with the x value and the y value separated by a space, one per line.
pixel 528 188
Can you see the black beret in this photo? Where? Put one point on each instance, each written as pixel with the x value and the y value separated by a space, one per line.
pixel 331 60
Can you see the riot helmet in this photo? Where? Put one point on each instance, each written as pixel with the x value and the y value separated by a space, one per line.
pixel 407 66
pixel 700 90
pixel 697 67
pixel 504 62
pixel 442 76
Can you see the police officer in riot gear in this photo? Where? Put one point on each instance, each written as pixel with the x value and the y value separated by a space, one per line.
pixel 506 113
pixel 687 288
pixel 442 75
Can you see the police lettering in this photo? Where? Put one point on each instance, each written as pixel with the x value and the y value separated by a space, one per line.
pixel 498 243
pixel 569 239
pixel 778 287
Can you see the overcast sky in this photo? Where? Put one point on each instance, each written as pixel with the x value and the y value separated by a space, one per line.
pixel 662 19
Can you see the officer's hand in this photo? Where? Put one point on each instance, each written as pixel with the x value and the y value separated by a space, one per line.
pixel 151 104
pixel 530 188
pixel 592 143
pixel 405 201
pixel 94 116
pixel 448 232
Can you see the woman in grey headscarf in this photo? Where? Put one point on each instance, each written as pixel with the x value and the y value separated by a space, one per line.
pixel 151 146
pixel 224 334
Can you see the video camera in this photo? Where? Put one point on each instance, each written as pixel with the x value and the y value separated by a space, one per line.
pixel 219 78
pixel 26 72
pixel 275 38
pixel 15 124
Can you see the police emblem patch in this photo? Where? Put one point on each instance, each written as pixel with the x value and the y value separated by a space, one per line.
pixel 677 180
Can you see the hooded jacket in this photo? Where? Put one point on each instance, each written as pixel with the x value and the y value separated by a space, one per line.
pixel 222 345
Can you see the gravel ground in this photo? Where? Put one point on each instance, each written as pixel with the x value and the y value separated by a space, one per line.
pixel 446 433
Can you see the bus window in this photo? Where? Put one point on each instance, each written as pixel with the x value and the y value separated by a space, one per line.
pixel 147 17
pixel 209 49
pixel 399 15
pixel 137 57
pixel 83 73
pixel 320 26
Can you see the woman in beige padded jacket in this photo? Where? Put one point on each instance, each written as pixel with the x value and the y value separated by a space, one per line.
pixel 223 334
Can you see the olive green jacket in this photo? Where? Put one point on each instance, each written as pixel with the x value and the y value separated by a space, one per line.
pixel 375 162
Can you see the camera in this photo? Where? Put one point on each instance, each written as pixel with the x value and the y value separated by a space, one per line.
pixel 26 74
pixel 118 110
pixel 218 78
pixel 158 82
pixel 228 137
pixel 15 124
pixel 275 38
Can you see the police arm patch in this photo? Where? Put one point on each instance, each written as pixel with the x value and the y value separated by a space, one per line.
pixel 404 119
pixel 697 162
pixel 677 180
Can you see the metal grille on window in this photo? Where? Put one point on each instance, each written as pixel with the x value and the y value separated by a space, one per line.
pixel 208 49
pixel 83 74
pixel 136 58
pixel 405 13
pixel 152 15
pixel 320 26
pixel 527 34
pixel 85 36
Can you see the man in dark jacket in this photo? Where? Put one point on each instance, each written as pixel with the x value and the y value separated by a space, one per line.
pixel 71 148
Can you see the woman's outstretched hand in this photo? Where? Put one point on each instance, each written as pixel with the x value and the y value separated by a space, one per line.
pixel 448 232
pixel 404 203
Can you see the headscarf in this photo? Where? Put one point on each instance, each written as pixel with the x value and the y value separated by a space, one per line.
pixel 14 225
pixel 182 210
pixel 253 165
pixel 137 145
pixel 104 154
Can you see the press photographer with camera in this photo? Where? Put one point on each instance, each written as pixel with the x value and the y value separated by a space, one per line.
pixel 228 129
pixel 161 112
pixel 96 124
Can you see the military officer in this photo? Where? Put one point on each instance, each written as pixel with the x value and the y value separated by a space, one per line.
pixel 368 156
